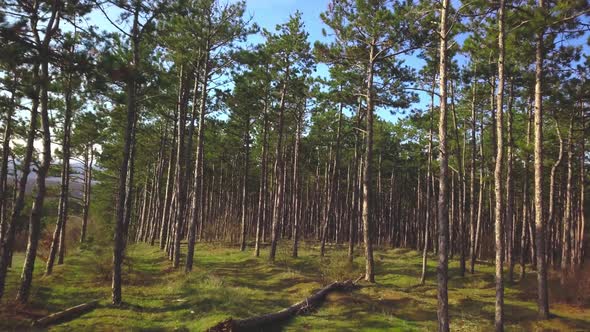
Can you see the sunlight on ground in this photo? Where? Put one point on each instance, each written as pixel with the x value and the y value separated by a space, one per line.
pixel 227 283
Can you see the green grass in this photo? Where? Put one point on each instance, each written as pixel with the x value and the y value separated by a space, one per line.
pixel 228 283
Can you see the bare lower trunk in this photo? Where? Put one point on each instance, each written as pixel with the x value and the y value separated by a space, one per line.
pixel 296 200
pixel 60 227
pixel 509 221
pixel 168 197
pixel 181 170
pixel 260 220
pixel 582 205
pixel 566 240
pixel 278 175
pixel 198 202
pixel 244 211
pixel 543 300
pixel 355 191
pixel 332 194
pixel 367 199
pixel 443 216
pixel 36 211
pixel 119 246
pixel 89 159
pixel 551 213
pixel 498 183
pixel 4 164
pixel 473 203
pixel 428 188
pixel 19 200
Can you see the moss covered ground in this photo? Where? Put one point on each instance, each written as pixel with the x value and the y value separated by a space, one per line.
pixel 229 283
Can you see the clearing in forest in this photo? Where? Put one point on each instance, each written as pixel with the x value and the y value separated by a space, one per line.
pixel 230 283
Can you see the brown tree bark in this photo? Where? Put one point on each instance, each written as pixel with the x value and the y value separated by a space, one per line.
pixel 278 207
pixel 168 198
pixel 132 85
pixel 88 165
pixel 428 208
pixel 461 179
pixel 332 194
pixel 262 194
pixel 509 219
pixel 543 297
pixel 245 170
pixel 498 172
pixel 36 210
pixel 473 214
pixel 296 199
pixel 68 313
pixel 582 185
pixel 552 213
pixel 198 202
pixel 352 223
pixel 4 195
pixel 525 199
pixel 367 212
pixel 62 214
pixel 566 240
pixel 443 216
pixel 181 170
pixel 19 199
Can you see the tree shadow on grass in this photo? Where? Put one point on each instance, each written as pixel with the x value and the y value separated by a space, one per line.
pixel 255 275
pixel 514 314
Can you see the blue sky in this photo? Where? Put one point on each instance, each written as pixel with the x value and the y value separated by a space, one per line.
pixel 267 14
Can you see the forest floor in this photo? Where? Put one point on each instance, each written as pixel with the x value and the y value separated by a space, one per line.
pixel 227 282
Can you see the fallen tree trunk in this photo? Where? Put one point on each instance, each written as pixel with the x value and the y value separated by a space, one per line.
pixel 67 314
pixel 302 307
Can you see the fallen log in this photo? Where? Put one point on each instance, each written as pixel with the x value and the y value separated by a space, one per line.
pixel 67 314
pixel 302 307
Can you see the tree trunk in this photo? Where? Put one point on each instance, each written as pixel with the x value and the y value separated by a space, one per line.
pixel 181 169
pixel 509 218
pixel 278 174
pixel 525 199
pixel 88 162
pixel 68 313
pixel 119 247
pixel 355 185
pixel 582 205
pixel 443 216
pixel 367 212
pixel 554 168
pixel 428 187
pixel 566 240
pixel 60 227
pixel 498 172
pixel 332 195
pixel 245 169
pixel 168 198
pixel 472 211
pixel 461 179
pixel 198 202
pixel 19 201
pixel 297 201
pixel 543 298
pixel 4 165
pixel 261 217
pixel 36 210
